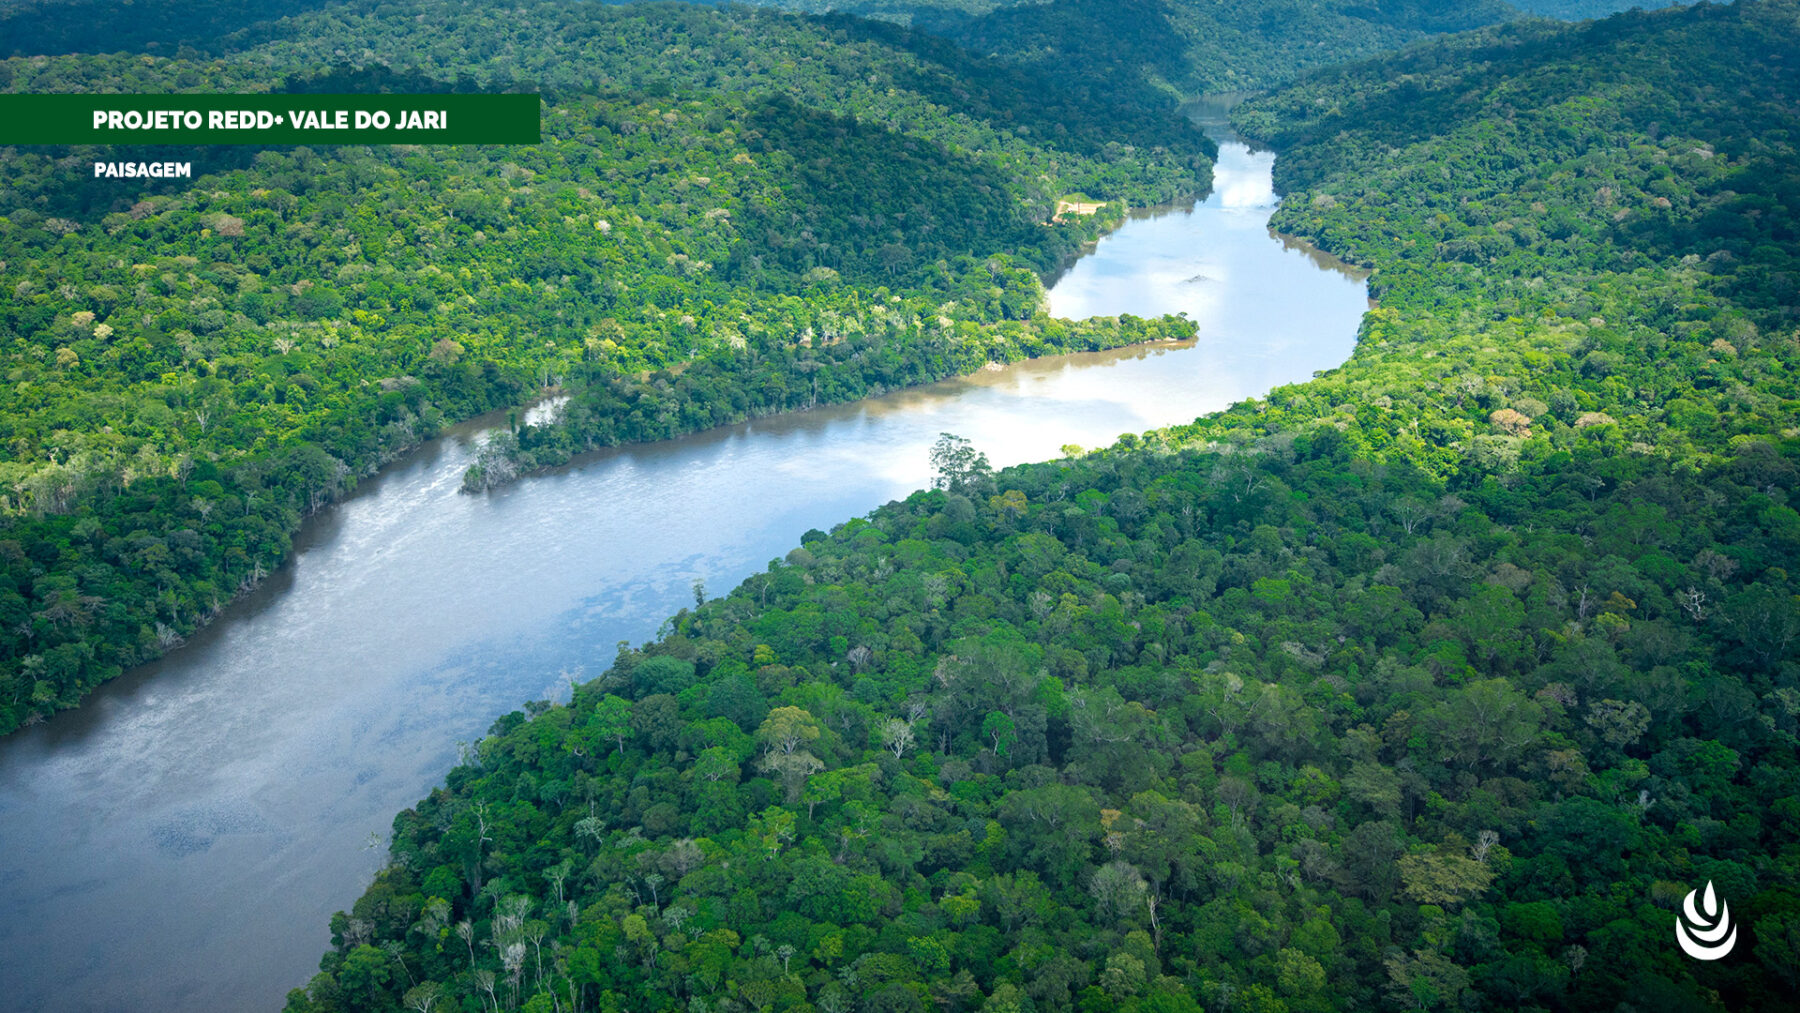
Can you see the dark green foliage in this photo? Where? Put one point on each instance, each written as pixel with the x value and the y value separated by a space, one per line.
pixel 1434 683
pixel 1092 704
pixel 733 214
pixel 1152 50
pixel 1576 10
pixel 162 27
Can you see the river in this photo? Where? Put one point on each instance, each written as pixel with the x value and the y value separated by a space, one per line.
pixel 181 841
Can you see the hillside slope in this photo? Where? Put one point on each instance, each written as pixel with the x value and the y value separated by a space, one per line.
pixel 734 213
pixel 1176 48
pixel 1435 683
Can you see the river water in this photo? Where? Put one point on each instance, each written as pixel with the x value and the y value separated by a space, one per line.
pixel 181 841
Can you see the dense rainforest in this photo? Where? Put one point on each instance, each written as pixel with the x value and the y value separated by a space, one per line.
pixel 1253 43
pixel 734 213
pixel 1182 48
pixel 193 369
pixel 1175 47
pixel 1434 683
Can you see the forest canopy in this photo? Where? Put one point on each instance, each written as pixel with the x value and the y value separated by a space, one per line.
pixel 1434 683
pixel 734 213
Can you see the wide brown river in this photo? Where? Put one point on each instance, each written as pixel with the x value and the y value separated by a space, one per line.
pixel 180 842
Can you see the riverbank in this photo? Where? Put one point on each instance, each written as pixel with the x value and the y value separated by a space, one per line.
pixel 610 410
pixel 181 841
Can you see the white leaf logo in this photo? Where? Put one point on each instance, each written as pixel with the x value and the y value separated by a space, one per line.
pixel 1699 936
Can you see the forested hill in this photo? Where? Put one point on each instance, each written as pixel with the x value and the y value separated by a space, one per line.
pixel 1179 47
pixel 1578 10
pixel 1183 48
pixel 1656 151
pixel 1435 683
pixel 733 213
pixel 1265 40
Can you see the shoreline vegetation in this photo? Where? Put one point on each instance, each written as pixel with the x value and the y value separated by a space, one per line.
pixel 612 411
pixel 774 212
pixel 525 449
pixel 1435 682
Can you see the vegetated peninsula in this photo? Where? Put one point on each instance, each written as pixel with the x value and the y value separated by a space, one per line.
pixel 1434 683
pixel 733 213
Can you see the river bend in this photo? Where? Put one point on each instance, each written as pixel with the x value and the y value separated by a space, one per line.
pixel 181 841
